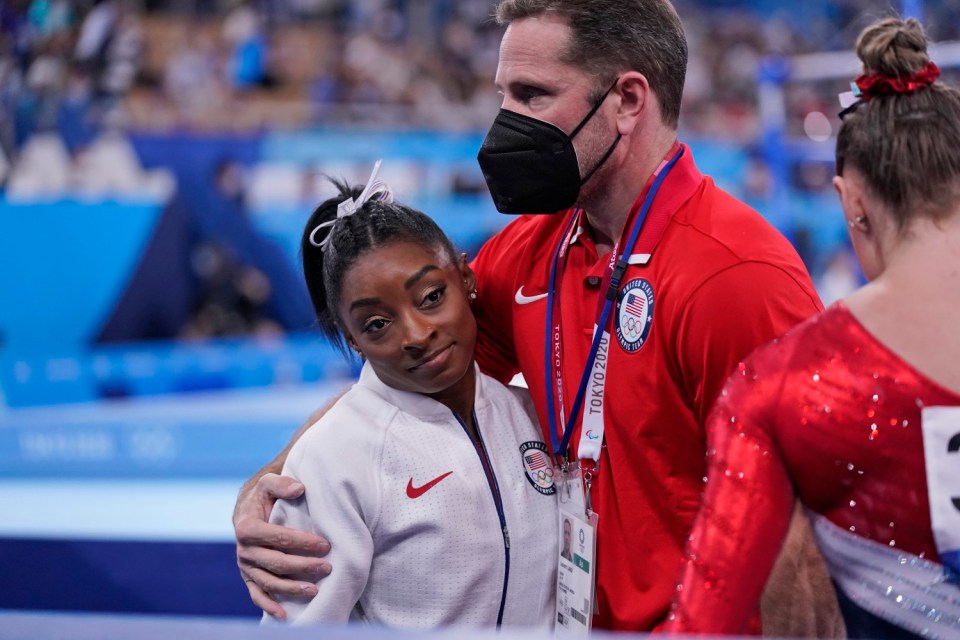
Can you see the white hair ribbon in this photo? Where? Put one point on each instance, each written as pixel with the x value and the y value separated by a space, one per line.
pixel 374 189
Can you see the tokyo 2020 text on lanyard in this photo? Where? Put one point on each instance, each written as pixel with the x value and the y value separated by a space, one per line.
pixel 617 265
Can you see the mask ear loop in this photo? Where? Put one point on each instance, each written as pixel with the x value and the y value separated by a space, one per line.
pixel 592 111
pixel 609 152
pixel 583 123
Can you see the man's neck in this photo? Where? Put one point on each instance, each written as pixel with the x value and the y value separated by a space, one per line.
pixel 607 211
pixel 606 230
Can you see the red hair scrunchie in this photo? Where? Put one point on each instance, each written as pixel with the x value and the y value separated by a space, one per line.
pixel 875 84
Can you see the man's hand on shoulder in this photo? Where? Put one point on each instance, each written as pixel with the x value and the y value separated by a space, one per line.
pixel 274 559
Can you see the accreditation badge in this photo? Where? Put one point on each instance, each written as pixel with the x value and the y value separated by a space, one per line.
pixel 576 561
pixel 941 454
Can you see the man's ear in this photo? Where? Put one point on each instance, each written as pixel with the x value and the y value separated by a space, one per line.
pixel 635 100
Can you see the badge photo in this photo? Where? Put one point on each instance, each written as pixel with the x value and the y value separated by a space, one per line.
pixel 538 467
pixel 634 314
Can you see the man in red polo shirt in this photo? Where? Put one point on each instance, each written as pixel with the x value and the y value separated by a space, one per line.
pixel 682 279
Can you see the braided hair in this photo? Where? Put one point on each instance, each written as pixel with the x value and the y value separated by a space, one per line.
pixel 374 224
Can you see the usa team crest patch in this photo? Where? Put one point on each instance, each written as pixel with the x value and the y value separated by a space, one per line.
pixel 538 467
pixel 634 314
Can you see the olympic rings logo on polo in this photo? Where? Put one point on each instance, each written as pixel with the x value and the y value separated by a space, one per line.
pixel 633 328
pixel 538 467
pixel 590 435
pixel 634 315
pixel 542 477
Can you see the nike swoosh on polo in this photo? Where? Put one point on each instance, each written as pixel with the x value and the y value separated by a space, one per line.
pixel 522 299
pixel 415 492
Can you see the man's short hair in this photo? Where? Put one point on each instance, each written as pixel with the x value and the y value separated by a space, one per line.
pixel 613 36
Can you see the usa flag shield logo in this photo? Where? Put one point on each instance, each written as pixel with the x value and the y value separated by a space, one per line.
pixel 538 467
pixel 634 314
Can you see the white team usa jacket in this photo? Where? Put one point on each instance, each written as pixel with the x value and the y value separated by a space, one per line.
pixel 419 537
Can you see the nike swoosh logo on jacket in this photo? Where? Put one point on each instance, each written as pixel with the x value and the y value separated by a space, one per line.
pixel 415 492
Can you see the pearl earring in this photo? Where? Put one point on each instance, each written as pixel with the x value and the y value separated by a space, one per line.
pixel 860 222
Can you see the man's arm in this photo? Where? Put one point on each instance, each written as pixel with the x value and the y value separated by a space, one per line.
pixel 275 559
pixel 767 301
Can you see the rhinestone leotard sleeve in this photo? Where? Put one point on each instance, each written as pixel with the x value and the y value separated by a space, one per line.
pixel 827 414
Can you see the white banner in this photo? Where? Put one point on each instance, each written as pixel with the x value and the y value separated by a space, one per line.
pixel 941 452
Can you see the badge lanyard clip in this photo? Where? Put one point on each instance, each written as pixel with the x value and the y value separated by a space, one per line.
pixel 565 491
pixel 617 275
pixel 587 485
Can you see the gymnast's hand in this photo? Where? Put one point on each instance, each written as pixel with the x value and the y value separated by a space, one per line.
pixel 275 559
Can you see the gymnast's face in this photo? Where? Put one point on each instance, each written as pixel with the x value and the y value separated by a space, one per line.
pixel 405 308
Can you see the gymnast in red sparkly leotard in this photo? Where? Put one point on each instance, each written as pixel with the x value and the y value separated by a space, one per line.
pixel 832 415
pixel 856 411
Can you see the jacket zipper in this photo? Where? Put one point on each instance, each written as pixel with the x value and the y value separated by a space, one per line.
pixel 481 450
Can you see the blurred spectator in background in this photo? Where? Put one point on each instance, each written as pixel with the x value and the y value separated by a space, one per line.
pixel 244 35
pixel 192 81
pixel 233 297
pixel 246 284
pixel 109 49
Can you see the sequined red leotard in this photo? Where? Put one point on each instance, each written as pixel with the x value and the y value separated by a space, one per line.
pixel 826 413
